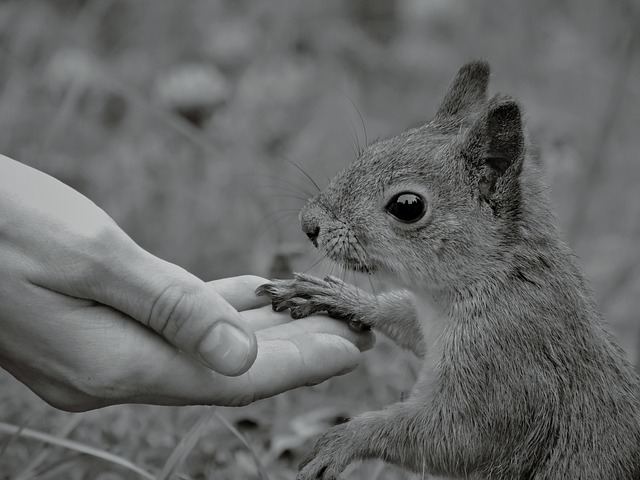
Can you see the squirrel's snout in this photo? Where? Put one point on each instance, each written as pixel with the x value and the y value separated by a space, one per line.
pixel 310 226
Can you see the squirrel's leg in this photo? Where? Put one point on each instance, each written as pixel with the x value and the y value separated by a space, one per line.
pixel 390 435
pixel 392 313
pixel 395 316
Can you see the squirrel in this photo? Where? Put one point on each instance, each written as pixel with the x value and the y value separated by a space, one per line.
pixel 520 379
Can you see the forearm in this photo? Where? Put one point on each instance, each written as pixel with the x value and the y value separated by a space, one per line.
pixel 394 314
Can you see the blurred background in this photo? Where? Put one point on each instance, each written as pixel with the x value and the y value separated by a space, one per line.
pixel 191 123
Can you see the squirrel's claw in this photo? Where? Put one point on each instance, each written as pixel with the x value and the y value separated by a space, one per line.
pixel 306 295
pixel 327 459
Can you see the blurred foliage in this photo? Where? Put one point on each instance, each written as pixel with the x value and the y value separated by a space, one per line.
pixel 187 120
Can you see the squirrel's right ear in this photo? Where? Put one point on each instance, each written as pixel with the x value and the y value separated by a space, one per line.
pixel 467 92
pixel 493 150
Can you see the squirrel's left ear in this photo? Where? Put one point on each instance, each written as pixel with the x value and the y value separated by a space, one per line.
pixel 467 92
pixel 494 150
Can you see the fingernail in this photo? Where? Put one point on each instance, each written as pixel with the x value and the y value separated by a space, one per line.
pixel 225 349
pixel 369 343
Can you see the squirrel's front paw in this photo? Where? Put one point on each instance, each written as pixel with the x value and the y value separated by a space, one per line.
pixel 306 295
pixel 327 459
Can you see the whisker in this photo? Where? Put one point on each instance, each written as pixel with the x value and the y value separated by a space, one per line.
pixel 338 270
pixel 284 215
pixel 288 211
pixel 364 127
pixel 355 134
pixel 288 195
pixel 285 188
pixel 355 282
pixel 373 289
pixel 313 182
pixel 354 149
pixel 315 264
pixel 294 186
pixel 332 268
pixel 364 252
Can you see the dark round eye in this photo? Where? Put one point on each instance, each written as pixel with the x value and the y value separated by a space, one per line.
pixel 407 207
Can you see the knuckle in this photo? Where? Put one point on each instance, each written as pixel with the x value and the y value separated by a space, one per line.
pixel 172 309
pixel 101 233
pixel 90 250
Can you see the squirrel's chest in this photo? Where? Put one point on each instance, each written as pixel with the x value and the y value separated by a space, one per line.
pixel 432 322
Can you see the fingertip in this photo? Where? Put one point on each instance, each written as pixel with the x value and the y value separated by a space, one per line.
pixel 252 281
pixel 241 292
pixel 228 349
pixel 333 355
pixel 350 358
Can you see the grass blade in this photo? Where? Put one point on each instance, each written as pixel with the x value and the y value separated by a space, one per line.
pixel 184 447
pixel 261 471
pixel 76 446
pixel 68 427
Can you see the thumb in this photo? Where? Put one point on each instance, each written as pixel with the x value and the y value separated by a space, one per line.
pixel 184 310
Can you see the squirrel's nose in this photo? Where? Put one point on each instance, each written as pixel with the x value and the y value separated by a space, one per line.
pixel 313 233
pixel 311 229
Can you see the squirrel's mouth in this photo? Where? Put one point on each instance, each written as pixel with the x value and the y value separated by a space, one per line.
pixel 357 266
pixel 350 255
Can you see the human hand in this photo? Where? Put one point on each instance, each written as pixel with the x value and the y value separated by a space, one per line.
pixel 290 353
pixel 89 318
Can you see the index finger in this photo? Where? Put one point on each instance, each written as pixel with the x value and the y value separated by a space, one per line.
pixel 240 291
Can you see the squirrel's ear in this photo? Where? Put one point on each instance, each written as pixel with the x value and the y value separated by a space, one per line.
pixel 467 92
pixel 494 150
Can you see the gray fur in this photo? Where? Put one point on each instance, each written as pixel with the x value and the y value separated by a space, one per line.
pixel 520 378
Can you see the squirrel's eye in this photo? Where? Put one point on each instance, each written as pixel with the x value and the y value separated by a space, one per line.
pixel 407 207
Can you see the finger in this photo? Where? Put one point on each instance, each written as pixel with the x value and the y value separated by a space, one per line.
pixel 265 317
pixel 187 312
pixel 281 365
pixel 271 325
pixel 239 291
pixel 299 361
pixel 320 324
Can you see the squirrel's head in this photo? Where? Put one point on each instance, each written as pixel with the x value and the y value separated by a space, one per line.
pixel 437 204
